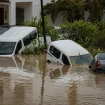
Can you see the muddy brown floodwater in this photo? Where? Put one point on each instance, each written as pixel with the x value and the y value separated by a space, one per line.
pixel 29 80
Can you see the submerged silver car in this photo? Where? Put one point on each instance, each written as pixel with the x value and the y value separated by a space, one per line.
pixel 98 63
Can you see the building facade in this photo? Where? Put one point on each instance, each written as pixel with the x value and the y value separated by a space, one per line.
pixel 13 12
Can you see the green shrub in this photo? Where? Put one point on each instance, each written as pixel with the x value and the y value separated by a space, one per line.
pixel 33 49
pixel 99 40
pixel 89 35
pixel 28 50
pixel 49 30
pixel 95 51
pixel 82 32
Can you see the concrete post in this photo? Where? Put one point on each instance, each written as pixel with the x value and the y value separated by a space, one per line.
pixel 12 13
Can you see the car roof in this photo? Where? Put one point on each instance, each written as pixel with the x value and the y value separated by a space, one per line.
pixel 15 33
pixel 69 47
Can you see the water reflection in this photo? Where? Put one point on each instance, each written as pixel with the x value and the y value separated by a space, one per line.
pixel 29 80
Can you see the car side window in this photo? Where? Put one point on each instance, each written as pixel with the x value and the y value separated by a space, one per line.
pixel 65 60
pixel 18 47
pixel 33 35
pixel 55 52
pixel 27 40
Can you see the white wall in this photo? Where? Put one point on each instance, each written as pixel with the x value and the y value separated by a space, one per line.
pixel 32 8
pixel 37 7
pixel 38 2
pixel 20 0
pixel 27 9
pixel 28 12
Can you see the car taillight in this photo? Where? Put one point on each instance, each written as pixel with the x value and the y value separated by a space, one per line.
pixel 98 63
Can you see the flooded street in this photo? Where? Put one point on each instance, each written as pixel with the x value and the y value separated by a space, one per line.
pixel 29 80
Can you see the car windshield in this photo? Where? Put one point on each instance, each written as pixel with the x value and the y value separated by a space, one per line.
pixel 81 59
pixel 2 30
pixel 7 47
pixel 102 56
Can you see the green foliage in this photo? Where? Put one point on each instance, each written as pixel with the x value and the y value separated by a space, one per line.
pixel 96 10
pixel 99 40
pixel 49 30
pixel 81 31
pixel 89 35
pixel 28 50
pixel 71 9
pixel 74 9
pixel 95 51
pixel 34 50
pixel 32 23
pixel 100 24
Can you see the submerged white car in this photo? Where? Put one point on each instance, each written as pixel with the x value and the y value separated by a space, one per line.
pixel 68 52
pixel 15 39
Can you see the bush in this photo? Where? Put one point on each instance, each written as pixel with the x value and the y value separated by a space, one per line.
pixel 95 51
pixel 99 40
pixel 49 30
pixel 34 50
pixel 89 35
pixel 82 32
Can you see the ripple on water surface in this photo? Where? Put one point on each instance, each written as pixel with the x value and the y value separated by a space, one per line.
pixel 29 80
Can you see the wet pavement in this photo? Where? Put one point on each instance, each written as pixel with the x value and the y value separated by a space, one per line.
pixel 29 80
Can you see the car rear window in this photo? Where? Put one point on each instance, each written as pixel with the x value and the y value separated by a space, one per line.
pixel 102 56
